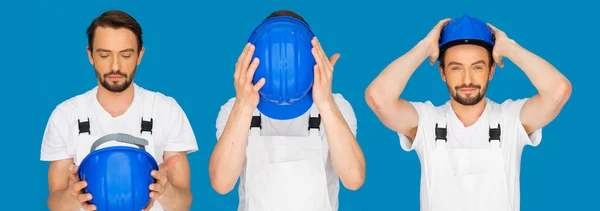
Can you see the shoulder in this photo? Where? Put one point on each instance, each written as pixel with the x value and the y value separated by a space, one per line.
pixel 161 101
pixel 69 108
pixel 509 107
pixel 341 102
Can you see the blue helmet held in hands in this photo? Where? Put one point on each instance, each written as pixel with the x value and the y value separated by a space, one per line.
pixel 466 30
pixel 286 62
pixel 118 177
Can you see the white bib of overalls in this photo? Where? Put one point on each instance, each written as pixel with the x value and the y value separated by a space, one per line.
pixel 283 173
pixel 468 179
pixel 86 140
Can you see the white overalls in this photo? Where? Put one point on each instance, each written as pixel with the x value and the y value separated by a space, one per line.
pixel 284 173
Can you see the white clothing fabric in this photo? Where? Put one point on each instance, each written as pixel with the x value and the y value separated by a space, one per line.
pixel 171 130
pixel 296 128
pixel 474 137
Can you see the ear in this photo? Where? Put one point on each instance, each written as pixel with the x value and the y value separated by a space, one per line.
pixel 492 70
pixel 141 54
pixel 442 72
pixel 90 55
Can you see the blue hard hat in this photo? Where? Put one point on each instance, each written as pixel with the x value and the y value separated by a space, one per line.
pixel 286 62
pixel 466 30
pixel 118 177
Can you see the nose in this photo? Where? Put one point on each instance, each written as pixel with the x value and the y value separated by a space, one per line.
pixel 467 77
pixel 115 64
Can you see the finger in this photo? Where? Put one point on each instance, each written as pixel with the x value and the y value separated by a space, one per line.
pixel 433 58
pixel 441 24
pixel 320 64
pixel 168 163
pixel 77 187
pixel 317 74
pixel 155 187
pixel 73 170
pixel 159 176
pixel 154 195
pixel 149 206
pixel 252 69
pixel 88 206
pixel 246 63
pixel 84 197
pixel 334 59
pixel 259 84
pixel 324 58
pixel 241 58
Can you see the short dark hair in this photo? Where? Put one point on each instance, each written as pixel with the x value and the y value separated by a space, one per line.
pixel 115 19
pixel 445 48
pixel 287 13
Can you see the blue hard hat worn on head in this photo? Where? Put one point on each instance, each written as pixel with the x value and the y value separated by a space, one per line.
pixel 466 30
pixel 282 44
pixel 118 177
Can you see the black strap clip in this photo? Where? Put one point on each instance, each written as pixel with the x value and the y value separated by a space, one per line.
pixel 147 126
pixel 440 133
pixel 314 122
pixel 495 133
pixel 256 122
pixel 84 127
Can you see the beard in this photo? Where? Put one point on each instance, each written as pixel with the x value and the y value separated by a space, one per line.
pixel 115 86
pixel 468 100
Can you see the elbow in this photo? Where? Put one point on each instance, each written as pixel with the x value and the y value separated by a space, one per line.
pixel 221 186
pixel 562 92
pixel 373 99
pixel 355 181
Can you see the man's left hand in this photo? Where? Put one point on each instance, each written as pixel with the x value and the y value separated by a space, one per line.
pixel 501 45
pixel 323 71
pixel 161 185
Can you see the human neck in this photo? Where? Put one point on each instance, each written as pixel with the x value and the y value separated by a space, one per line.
pixel 468 115
pixel 115 103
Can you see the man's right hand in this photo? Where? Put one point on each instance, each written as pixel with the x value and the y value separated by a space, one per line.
pixel 247 94
pixel 75 190
pixel 432 40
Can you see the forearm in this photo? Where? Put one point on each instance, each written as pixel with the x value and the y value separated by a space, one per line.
pixel 61 200
pixel 230 151
pixel 348 159
pixel 176 199
pixel 549 82
pixel 390 83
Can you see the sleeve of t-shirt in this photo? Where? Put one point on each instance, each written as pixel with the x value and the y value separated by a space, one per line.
pixel 56 134
pixel 347 112
pixel 179 134
pixel 512 109
pixel 424 110
pixel 224 116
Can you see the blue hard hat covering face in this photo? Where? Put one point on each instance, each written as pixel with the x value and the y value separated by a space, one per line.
pixel 466 30
pixel 118 177
pixel 286 62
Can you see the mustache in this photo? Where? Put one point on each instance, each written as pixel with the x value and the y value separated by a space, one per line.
pixel 468 86
pixel 115 73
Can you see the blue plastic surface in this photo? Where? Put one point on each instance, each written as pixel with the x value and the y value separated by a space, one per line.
pixel 464 29
pixel 118 177
pixel 286 62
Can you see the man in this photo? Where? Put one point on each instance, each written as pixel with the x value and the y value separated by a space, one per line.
pixel 117 105
pixel 470 147
pixel 292 179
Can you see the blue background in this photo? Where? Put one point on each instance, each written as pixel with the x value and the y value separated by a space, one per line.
pixel 191 49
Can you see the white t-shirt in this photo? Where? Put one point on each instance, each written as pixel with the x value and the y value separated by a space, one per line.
pixel 171 129
pixel 298 127
pixel 513 139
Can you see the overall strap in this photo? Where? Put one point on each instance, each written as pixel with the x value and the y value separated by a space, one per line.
pixel 255 124
pixel 83 119
pixel 441 128
pixel 147 120
pixel 314 121
pixel 494 131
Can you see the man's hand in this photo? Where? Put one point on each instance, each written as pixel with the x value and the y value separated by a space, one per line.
pixel 323 74
pixel 161 185
pixel 432 40
pixel 246 92
pixel 75 190
pixel 500 45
